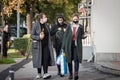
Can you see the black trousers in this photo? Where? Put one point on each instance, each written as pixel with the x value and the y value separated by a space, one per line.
pixel 74 56
pixel 58 48
pixel 45 59
pixel 5 49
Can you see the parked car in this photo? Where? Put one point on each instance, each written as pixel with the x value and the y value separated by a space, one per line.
pixel 23 31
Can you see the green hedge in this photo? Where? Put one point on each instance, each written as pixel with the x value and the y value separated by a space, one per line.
pixel 22 44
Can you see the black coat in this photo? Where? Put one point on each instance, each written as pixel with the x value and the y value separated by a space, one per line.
pixel 67 41
pixel 57 35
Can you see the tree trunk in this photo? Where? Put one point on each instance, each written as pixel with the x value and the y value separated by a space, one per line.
pixel 29 23
pixel 29 16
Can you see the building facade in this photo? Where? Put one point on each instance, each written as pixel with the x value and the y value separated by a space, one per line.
pixel 105 29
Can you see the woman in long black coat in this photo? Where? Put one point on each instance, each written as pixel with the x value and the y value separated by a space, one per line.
pixel 5 38
pixel 72 45
pixel 57 32
pixel 41 46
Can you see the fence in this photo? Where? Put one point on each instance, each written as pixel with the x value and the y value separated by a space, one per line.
pixel 87 41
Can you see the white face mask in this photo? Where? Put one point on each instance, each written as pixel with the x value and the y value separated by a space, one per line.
pixel 60 21
pixel 45 20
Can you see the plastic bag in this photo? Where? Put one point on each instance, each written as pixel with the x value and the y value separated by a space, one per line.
pixel 61 60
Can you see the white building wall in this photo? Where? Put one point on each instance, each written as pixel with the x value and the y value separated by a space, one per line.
pixel 106 25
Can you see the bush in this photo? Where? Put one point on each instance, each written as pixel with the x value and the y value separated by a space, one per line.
pixel 21 44
pixel 26 36
pixel 29 39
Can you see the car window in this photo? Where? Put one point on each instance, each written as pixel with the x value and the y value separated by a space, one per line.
pixel 14 31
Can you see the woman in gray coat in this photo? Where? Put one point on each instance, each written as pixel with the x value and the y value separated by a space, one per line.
pixel 41 46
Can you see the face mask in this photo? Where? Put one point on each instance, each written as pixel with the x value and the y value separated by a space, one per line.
pixel 45 20
pixel 76 22
pixel 60 21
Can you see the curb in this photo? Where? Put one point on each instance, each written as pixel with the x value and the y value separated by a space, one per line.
pixel 5 73
pixel 107 69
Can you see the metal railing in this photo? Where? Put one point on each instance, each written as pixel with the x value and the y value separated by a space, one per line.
pixel 87 41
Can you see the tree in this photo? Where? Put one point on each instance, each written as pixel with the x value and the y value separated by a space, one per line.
pixel 51 7
pixel 29 7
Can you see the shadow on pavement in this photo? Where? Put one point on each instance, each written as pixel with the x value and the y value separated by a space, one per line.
pixel 14 67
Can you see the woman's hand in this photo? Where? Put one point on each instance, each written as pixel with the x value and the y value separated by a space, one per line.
pixel 59 29
pixel 42 36
pixel 64 29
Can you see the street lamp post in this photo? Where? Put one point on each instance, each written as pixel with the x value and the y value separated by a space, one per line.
pixel 1 5
pixel 18 22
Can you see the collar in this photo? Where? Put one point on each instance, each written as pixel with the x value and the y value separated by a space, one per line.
pixel 72 26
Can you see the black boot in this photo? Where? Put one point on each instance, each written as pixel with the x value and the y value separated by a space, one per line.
pixel 70 76
pixel 76 77
pixel 59 70
pixel 70 71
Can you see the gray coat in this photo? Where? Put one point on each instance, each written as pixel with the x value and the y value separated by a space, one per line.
pixel 37 48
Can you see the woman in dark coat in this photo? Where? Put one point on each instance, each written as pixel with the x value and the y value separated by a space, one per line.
pixel 72 45
pixel 41 46
pixel 57 32
pixel 5 38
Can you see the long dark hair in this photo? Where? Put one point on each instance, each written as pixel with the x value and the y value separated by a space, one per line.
pixel 60 15
pixel 39 16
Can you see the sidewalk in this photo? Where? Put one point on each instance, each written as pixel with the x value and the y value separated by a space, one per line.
pixel 25 71
pixel 87 72
pixel 4 68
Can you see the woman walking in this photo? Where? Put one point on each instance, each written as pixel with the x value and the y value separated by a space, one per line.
pixel 72 45
pixel 57 31
pixel 41 46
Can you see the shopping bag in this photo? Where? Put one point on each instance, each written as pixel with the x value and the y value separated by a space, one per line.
pixel 58 60
pixel 61 60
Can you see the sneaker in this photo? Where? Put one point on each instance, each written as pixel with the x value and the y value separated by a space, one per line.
pixel 38 76
pixel 46 76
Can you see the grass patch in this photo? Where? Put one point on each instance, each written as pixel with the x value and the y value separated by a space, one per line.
pixel 12 53
pixel 6 61
pixel 11 50
pixel 15 55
